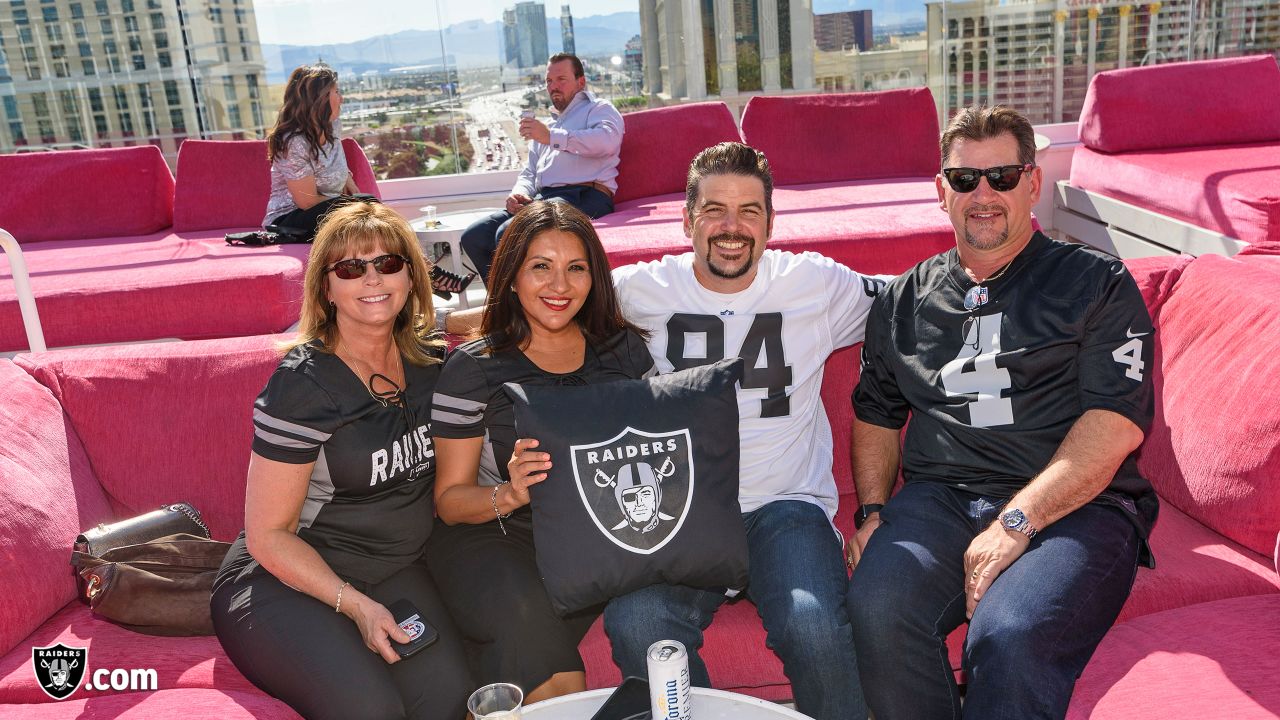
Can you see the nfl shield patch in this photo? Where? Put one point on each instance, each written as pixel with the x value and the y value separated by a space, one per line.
pixel 59 669
pixel 637 486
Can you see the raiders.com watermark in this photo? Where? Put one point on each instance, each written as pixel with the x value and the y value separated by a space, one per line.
pixel 61 670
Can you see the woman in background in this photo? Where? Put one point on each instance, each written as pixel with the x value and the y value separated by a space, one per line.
pixel 309 171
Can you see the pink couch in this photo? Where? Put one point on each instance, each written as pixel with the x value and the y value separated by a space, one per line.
pixel 1198 142
pixel 118 252
pixel 864 198
pixel 1200 637
pixel 101 433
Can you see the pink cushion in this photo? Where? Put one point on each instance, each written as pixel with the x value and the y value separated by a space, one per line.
pixel 1213 660
pixel 179 662
pixel 852 136
pixel 159 286
pixel 1193 565
pixel 659 144
pixel 167 421
pixel 361 170
pixel 221 184
pixel 880 226
pixel 1231 190
pixel 1213 450
pixel 1210 102
pixel 1156 276
pixel 734 651
pixel 47 495
pixel 113 192
pixel 162 704
pixel 224 184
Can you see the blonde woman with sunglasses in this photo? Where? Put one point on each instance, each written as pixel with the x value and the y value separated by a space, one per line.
pixel 339 501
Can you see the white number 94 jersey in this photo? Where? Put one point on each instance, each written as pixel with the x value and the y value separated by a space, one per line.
pixel 797 311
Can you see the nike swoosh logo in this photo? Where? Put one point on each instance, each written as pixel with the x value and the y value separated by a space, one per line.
pixel 1129 333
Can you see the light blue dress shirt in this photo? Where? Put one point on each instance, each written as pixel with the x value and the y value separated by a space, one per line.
pixel 583 148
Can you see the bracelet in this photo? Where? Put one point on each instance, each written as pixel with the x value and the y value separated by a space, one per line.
pixel 493 500
pixel 337 607
pixel 442 318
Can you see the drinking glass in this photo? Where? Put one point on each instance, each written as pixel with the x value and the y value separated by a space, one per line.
pixel 499 701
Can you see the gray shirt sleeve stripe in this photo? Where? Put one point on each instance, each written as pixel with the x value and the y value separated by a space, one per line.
pixel 444 416
pixel 264 419
pixel 457 403
pixel 282 441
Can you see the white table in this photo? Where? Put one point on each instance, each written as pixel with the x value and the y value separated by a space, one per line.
pixel 706 705
pixel 448 230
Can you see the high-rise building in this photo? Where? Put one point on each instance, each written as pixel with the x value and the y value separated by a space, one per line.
pixel 510 38
pixel 566 31
pixel 525 35
pixel 633 63
pixel 110 73
pixel 724 47
pixel 633 56
pixel 843 30
pixel 1039 55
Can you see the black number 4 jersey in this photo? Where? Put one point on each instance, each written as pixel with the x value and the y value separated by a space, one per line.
pixel 992 391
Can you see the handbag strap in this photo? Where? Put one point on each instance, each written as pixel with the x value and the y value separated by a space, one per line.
pixel 192 513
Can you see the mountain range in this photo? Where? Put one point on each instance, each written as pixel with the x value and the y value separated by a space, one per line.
pixel 476 43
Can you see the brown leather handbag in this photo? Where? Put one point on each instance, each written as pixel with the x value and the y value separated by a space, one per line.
pixel 143 575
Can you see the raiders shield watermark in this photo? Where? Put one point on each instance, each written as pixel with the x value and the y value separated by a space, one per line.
pixel 637 486
pixel 59 669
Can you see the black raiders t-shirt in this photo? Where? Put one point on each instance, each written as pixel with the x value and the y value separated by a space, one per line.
pixel 469 401
pixel 992 392
pixel 369 505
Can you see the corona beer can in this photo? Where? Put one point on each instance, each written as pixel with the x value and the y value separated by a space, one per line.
pixel 669 680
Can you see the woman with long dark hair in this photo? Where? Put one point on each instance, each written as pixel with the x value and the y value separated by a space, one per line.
pixel 309 171
pixel 338 504
pixel 552 318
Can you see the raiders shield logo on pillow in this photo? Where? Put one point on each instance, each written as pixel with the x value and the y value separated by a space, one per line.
pixel 643 487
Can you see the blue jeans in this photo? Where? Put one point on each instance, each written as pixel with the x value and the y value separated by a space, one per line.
pixel 798 581
pixel 480 240
pixel 1032 632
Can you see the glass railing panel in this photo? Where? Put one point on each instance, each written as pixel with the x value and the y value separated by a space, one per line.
pixel 1040 55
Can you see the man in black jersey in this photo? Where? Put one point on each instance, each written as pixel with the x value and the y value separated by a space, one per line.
pixel 1024 366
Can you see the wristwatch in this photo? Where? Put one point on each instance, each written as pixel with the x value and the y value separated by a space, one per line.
pixel 864 512
pixel 1015 519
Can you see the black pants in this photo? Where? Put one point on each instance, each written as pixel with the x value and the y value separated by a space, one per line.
pixel 303 223
pixel 299 650
pixel 491 584
pixel 480 240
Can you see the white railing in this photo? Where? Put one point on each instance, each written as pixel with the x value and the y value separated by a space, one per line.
pixel 22 285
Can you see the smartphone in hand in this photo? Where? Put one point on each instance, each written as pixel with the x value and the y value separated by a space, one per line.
pixel 420 631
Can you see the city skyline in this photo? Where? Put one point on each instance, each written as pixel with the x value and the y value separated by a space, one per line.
pixel 309 22
pixel 298 22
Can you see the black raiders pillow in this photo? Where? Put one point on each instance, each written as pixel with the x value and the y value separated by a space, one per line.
pixel 643 487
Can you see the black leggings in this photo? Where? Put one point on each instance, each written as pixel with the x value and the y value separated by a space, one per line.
pixel 299 650
pixel 305 222
pixel 495 594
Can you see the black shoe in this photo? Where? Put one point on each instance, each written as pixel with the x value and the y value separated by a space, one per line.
pixel 444 283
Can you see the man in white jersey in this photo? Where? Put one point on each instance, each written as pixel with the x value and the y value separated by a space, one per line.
pixel 783 314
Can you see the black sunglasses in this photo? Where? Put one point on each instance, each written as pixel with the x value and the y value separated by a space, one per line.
pixel 1002 178
pixel 355 268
